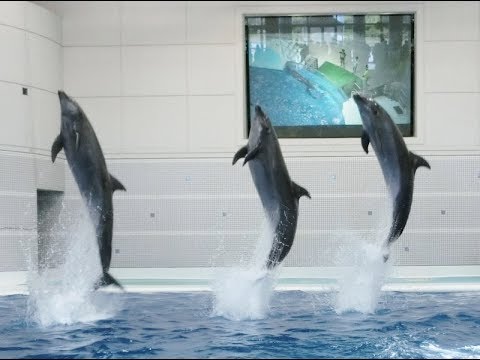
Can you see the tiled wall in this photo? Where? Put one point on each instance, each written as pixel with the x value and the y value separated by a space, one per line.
pixel 206 212
pixel 167 78
pixel 162 83
pixel 31 58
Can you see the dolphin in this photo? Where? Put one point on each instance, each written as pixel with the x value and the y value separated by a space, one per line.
pixel 313 89
pixel 278 193
pixel 96 185
pixel 398 164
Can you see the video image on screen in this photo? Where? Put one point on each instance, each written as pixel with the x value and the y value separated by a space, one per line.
pixel 303 70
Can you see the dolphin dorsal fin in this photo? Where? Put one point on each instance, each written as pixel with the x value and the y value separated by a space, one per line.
pixel 116 185
pixel 300 191
pixel 418 161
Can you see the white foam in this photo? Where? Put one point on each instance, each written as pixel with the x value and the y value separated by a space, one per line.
pixel 243 293
pixel 466 352
pixel 361 282
pixel 65 294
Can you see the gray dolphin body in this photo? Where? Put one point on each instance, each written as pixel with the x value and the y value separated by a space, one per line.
pixel 278 193
pixel 96 185
pixel 397 162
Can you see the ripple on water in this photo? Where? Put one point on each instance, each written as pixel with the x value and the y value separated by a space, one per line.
pixel 408 325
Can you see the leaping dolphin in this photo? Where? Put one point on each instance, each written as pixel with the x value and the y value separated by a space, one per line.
pixel 96 185
pixel 398 164
pixel 278 193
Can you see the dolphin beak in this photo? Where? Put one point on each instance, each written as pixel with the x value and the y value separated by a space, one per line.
pixel 259 111
pixel 363 103
pixel 358 98
pixel 62 95
pixel 261 117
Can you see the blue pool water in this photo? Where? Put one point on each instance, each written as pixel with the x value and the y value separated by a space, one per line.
pixel 297 325
pixel 296 97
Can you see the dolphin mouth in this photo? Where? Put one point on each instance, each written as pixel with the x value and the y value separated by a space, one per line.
pixel 261 117
pixel 62 95
pixel 259 111
pixel 359 98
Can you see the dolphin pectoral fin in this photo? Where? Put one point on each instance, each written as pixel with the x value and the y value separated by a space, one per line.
pixel 240 153
pixel 116 185
pixel 300 191
pixel 251 155
pixel 57 147
pixel 419 161
pixel 365 141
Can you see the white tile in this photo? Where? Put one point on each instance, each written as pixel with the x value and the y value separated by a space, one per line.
pixel 13 54
pixel 13 13
pixel 91 23
pixel 14 116
pixel 44 63
pixel 42 22
pixel 45 112
pixel 54 6
pixel 211 69
pixel 154 124
pixel 211 123
pixel 447 20
pixel 452 66
pixel 105 116
pixel 50 176
pixel 152 22
pixel 154 70
pixel 210 23
pixel 92 71
pixel 453 119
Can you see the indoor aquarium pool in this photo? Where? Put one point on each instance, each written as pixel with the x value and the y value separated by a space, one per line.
pixel 296 325
pixel 296 97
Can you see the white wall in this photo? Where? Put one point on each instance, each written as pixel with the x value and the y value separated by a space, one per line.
pixel 31 57
pixel 165 80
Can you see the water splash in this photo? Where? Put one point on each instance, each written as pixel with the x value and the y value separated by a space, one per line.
pixel 243 293
pixel 361 282
pixel 63 293
pixel 435 351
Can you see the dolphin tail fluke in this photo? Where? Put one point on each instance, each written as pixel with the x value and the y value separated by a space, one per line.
pixel 419 161
pixel 261 276
pixel 116 185
pixel 57 147
pixel 386 254
pixel 106 280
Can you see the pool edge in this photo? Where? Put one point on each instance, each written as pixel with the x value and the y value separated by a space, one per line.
pixel 149 280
